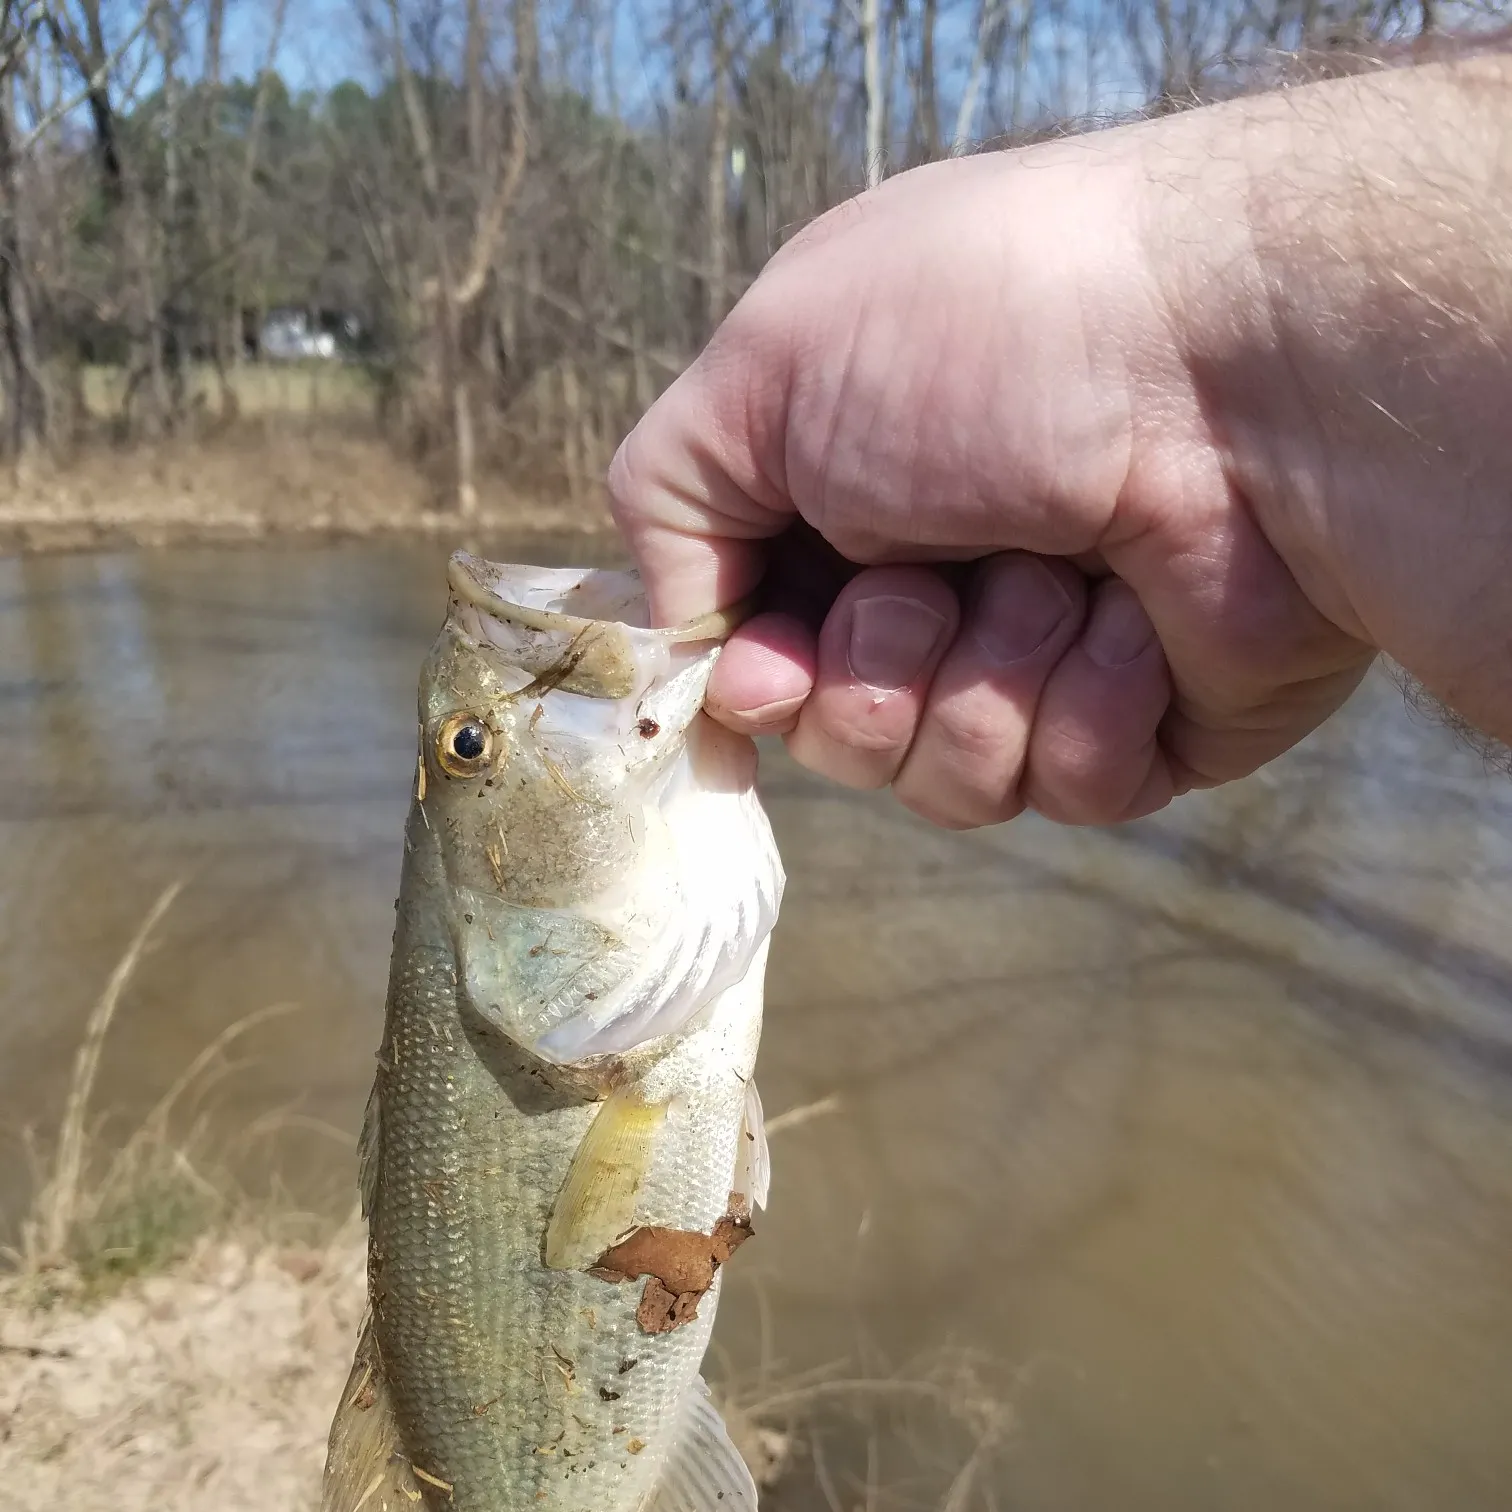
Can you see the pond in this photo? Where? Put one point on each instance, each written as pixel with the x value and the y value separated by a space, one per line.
pixel 1196 1135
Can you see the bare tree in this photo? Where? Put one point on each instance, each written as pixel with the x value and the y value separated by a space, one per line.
pixel 876 104
pixel 533 249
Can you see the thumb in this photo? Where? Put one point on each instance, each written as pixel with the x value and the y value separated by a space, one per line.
pixel 692 486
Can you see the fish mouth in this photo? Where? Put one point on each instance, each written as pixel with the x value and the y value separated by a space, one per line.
pixel 584 632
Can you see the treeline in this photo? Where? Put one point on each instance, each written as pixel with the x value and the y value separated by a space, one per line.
pixel 521 217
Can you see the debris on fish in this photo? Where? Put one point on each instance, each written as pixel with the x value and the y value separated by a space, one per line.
pixel 564 1144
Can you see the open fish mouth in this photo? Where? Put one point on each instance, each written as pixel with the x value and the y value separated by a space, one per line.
pixel 587 631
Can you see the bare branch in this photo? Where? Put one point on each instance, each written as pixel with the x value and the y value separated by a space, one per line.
pixel 94 80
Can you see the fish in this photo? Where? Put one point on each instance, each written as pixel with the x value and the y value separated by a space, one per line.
pixel 564 1146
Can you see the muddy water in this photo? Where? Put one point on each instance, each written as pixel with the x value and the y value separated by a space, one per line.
pixel 1198 1133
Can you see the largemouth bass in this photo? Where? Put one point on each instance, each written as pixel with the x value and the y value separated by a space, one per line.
pixel 564 1144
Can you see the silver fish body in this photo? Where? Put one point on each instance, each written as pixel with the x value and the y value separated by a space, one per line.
pixel 564 1142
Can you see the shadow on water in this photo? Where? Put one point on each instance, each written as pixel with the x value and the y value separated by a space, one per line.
pixel 1198 1132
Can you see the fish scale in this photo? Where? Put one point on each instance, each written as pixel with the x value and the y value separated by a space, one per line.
pixel 496 1370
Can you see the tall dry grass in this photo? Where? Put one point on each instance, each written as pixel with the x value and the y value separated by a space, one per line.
pixel 100 1218
pixel 872 1439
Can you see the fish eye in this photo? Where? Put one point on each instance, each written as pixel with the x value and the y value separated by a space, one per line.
pixel 463 745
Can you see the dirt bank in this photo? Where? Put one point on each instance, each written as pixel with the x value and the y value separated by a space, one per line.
pixel 210 1386
pixel 247 486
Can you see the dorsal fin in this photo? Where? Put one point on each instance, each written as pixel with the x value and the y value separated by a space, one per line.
pixel 703 1471
pixel 369 1147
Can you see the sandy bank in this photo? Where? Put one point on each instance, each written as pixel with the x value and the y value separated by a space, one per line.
pixel 210 1386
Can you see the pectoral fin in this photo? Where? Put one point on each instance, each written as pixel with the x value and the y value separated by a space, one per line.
pixel 703 1471
pixel 753 1157
pixel 365 1469
pixel 597 1202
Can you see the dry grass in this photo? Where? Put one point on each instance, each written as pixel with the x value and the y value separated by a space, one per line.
pixel 148 1362
pixel 872 1439
pixel 301 451
pixel 47 1236
pixel 212 1386
pixel 96 1222
pixel 209 1386
pixel 868 1437
pixel 298 389
pixel 252 482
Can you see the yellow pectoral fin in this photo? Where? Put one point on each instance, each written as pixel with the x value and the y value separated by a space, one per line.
pixel 597 1202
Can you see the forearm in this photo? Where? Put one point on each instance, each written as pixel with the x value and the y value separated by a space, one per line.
pixel 1349 336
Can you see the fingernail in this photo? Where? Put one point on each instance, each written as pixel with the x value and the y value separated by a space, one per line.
pixel 891 640
pixel 1118 632
pixel 1021 604
pixel 767 713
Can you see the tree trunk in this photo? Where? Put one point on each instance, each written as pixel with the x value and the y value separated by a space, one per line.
pixel 101 112
pixel 926 94
pixel 224 333
pixel 572 431
pixel 467 456
pixel 169 334
pixel 717 253
pixel 966 117
pixel 235 252
pixel 20 361
pixel 871 46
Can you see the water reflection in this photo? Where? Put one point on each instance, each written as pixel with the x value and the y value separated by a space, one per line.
pixel 1200 1129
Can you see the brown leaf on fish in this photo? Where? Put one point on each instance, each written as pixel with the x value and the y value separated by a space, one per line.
pixel 661 1311
pixel 680 1264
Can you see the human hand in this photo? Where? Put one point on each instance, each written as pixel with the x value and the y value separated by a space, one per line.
pixel 1027 455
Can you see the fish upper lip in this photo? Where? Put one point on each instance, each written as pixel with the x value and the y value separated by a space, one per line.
pixel 718 625
pixel 598 658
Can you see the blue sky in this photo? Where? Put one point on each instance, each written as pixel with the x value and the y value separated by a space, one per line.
pixel 323 42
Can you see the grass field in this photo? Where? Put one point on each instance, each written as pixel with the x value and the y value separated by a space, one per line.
pixel 326 389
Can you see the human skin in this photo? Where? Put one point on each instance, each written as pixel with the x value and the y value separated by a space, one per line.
pixel 1124 455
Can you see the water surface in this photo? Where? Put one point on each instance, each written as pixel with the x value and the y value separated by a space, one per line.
pixel 1199 1130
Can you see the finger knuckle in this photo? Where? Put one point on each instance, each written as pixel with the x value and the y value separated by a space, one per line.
pixel 856 758
pixel 955 795
pixel 976 735
pixel 882 725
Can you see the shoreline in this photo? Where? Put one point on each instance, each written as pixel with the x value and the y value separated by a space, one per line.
pixel 247 489
pixel 46 535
